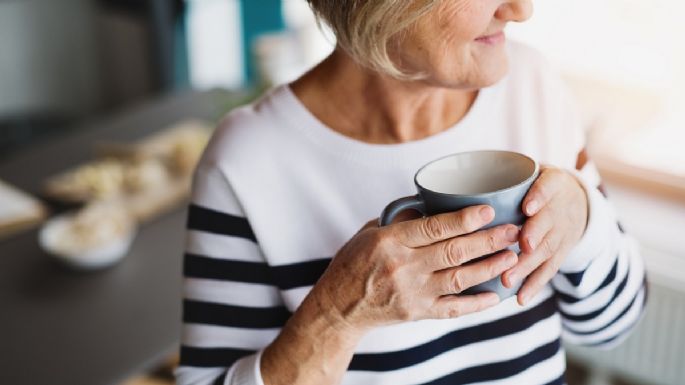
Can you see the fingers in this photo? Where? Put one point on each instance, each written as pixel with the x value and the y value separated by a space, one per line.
pixel 537 280
pixel 457 251
pixel 541 192
pixel 458 279
pixel 453 306
pixel 534 230
pixel 436 228
pixel 528 262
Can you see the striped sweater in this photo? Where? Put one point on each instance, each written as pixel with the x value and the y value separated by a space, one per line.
pixel 277 194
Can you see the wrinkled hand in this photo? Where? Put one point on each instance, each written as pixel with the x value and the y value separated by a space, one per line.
pixel 557 208
pixel 411 270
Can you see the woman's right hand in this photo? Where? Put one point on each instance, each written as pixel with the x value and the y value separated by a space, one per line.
pixel 401 272
pixel 412 270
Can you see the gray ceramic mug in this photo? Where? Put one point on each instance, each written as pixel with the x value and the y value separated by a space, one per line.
pixel 499 179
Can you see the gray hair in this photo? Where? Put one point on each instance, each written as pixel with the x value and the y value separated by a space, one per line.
pixel 365 29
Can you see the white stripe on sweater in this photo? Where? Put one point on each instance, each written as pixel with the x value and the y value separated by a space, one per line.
pixel 223 247
pixel 232 293
pixel 210 336
pixel 615 329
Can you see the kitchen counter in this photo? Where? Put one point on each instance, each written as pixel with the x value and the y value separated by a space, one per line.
pixel 60 326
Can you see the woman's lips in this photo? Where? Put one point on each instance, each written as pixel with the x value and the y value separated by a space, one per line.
pixel 493 39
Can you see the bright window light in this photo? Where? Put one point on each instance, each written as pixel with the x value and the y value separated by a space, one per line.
pixel 632 44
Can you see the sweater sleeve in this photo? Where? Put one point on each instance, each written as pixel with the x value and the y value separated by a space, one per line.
pixel 601 286
pixel 231 308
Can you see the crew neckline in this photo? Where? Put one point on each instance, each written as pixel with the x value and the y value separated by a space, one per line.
pixel 291 110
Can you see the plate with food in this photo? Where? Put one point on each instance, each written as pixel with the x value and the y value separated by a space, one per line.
pixel 95 237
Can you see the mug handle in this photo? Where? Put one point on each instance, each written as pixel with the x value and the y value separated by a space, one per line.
pixel 414 202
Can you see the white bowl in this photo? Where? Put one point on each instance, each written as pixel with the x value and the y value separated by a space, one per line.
pixel 93 258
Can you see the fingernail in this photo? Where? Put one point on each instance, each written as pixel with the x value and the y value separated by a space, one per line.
pixel 493 300
pixel 531 207
pixel 486 213
pixel 531 243
pixel 511 259
pixel 512 234
pixel 524 298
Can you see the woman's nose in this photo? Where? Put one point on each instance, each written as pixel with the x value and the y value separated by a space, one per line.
pixel 515 10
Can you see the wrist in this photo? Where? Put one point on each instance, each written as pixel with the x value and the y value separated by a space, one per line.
pixel 320 308
pixel 585 198
pixel 315 346
pixel 599 233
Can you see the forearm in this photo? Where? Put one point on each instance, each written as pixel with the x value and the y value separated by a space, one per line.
pixel 314 347
pixel 601 286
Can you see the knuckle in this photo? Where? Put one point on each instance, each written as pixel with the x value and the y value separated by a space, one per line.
pixel 492 241
pixel 469 221
pixel 457 282
pixel 433 228
pixel 553 267
pixel 454 254
pixel 390 267
pixel 463 220
pixel 377 246
pixel 547 248
pixel 494 268
pixel 381 241
pixel 469 250
pixel 453 311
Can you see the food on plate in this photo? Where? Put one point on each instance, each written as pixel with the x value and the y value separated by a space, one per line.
pixel 96 236
pixel 97 180
pixel 95 225
pixel 144 174
pixel 187 149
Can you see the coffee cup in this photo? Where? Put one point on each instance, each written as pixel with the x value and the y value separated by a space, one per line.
pixel 499 179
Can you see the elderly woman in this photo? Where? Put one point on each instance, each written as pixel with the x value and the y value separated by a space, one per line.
pixel 286 285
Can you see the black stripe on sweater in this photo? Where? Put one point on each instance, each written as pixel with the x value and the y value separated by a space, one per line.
pixel 211 357
pixel 575 278
pixel 299 274
pixel 557 381
pixel 456 339
pixel 502 369
pixel 234 316
pixel 628 328
pixel 284 276
pixel 198 266
pixel 197 357
pixel 588 316
pixel 221 379
pixel 563 297
pixel 212 221
pixel 379 362
pixel 613 321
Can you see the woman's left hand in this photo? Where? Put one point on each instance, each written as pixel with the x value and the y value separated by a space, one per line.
pixel 557 208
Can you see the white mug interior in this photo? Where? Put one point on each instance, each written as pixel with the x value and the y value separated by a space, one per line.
pixel 477 172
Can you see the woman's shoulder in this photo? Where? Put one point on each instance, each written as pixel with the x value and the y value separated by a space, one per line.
pixel 245 131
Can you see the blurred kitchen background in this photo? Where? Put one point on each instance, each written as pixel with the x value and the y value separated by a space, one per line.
pixel 107 104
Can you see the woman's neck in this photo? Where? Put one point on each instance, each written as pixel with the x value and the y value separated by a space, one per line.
pixel 376 108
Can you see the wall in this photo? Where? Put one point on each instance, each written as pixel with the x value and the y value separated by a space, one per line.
pixel 47 60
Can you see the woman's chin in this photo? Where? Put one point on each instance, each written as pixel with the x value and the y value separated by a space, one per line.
pixel 490 73
pixel 483 79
